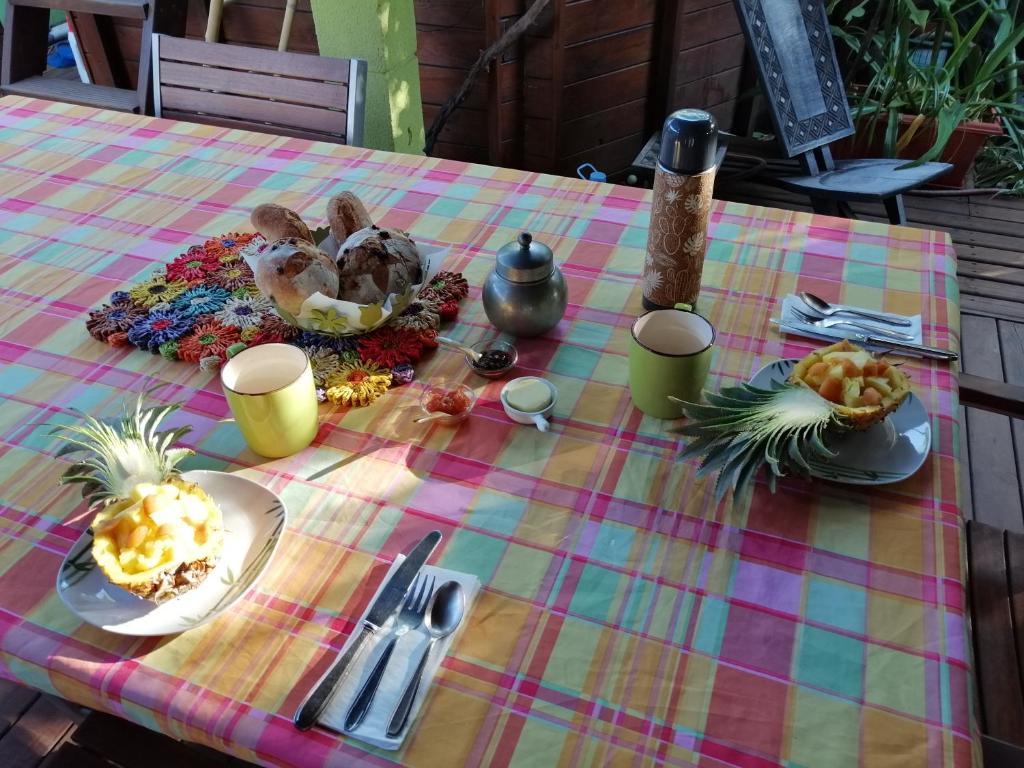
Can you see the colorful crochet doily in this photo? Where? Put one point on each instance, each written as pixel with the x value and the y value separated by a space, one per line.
pixel 205 302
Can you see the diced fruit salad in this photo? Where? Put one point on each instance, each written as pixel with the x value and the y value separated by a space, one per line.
pixel 854 379
pixel 156 525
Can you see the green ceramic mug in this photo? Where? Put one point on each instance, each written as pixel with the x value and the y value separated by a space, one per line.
pixel 272 396
pixel 669 354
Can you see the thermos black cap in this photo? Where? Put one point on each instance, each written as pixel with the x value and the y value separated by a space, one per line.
pixel 689 141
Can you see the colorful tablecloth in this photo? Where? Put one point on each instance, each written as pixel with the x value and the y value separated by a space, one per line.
pixel 625 618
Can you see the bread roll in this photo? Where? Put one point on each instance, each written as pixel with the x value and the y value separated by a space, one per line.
pixel 276 222
pixel 374 262
pixel 290 271
pixel 346 215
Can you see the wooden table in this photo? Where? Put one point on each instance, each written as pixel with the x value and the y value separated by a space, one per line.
pixel 626 617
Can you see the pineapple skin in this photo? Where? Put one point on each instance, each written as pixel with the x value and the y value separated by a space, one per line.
pixel 171 580
pixel 863 417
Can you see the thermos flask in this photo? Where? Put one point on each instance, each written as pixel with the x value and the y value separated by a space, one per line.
pixel 683 183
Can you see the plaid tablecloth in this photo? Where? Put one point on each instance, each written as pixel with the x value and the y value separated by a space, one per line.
pixel 625 619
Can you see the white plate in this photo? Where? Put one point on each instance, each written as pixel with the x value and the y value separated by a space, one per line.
pixel 888 452
pixel 254 519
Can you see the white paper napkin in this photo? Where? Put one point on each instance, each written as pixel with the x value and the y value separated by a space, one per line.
pixel 789 322
pixel 403 662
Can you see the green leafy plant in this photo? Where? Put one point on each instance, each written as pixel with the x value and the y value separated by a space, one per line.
pixel 1001 164
pixel 743 428
pixel 943 63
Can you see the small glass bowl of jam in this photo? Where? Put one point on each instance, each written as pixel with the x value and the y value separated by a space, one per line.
pixel 497 357
pixel 447 403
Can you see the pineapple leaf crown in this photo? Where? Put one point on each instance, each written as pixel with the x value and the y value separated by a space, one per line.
pixel 122 452
pixel 743 428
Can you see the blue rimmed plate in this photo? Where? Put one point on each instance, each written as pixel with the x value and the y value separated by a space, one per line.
pixel 887 452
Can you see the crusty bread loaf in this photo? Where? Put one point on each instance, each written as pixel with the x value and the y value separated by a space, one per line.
pixel 375 262
pixel 291 270
pixel 346 215
pixel 275 222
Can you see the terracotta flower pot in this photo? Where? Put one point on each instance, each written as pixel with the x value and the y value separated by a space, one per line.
pixel 963 146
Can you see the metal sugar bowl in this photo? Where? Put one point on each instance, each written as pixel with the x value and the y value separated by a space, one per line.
pixel 525 294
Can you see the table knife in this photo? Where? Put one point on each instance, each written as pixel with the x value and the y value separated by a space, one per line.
pixel 935 353
pixel 922 350
pixel 388 601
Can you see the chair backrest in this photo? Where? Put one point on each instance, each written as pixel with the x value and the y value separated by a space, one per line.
pixel 293 94
pixel 792 44
pixel 995 561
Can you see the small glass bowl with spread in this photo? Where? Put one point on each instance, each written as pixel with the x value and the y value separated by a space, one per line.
pixel 497 357
pixel 447 403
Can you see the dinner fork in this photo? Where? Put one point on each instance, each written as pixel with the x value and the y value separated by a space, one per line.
pixel 410 617
pixel 829 322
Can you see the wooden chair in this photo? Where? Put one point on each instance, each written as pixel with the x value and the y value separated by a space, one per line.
pixel 792 44
pixel 991 395
pixel 293 94
pixel 996 583
pixel 25 44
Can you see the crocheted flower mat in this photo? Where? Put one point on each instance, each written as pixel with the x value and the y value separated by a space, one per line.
pixel 206 302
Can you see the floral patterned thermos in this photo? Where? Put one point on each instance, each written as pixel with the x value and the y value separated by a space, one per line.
pixel 683 184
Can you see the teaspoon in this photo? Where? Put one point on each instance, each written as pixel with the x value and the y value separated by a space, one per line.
pixel 444 341
pixel 444 613
pixel 822 307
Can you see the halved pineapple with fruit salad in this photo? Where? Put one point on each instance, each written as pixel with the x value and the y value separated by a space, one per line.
pixel 785 427
pixel 864 389
pixel 155 534
pixel 160 541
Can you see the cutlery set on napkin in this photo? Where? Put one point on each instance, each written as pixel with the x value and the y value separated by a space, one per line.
pixel 807 315
pixel 377 685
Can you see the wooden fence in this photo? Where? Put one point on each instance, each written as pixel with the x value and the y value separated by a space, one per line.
pixel 589 82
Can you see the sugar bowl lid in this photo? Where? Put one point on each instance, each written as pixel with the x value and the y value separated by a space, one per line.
pixel 525 260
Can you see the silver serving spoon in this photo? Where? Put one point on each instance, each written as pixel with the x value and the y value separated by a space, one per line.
pixel 444 614
pixel 444 341
pixel 822 307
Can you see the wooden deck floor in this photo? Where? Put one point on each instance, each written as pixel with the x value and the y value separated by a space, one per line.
pixel 41 731
pixel 989 238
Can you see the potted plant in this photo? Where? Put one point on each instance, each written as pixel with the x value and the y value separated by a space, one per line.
pixel 935 79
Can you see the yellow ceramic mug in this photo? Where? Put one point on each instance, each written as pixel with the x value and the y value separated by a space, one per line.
pixel 271 393
pixel 669 354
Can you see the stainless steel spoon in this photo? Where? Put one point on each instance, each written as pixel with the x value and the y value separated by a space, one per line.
pixel 444 341
pixel 822 307
pixel 431 417
pixel 444 614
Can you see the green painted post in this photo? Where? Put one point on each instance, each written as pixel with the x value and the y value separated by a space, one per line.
pixel 384 33
pixel 56 17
